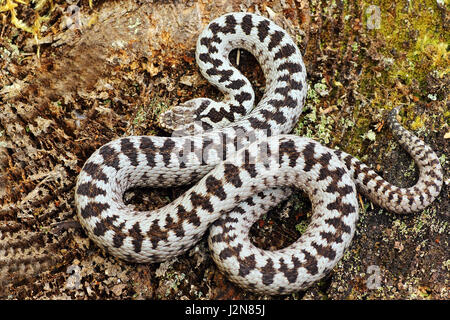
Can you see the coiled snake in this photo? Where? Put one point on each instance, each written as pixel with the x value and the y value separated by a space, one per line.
pixel 246 164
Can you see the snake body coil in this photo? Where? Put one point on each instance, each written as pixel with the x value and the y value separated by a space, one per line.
pixel 246 164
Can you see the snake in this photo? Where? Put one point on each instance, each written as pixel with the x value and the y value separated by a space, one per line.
pixel 241 161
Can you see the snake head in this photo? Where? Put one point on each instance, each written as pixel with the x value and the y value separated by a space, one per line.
pixel 195 116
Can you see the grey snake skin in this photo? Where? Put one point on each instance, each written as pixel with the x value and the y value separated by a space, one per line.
pixel 245 164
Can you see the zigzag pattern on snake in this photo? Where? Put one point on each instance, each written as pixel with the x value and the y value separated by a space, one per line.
pixel 245 164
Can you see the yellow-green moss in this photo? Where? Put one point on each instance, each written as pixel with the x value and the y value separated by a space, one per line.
pixel 42 9
pixel 414 42
pixel 412 45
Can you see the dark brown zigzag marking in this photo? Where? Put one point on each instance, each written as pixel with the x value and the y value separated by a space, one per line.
pixel 432 173
pixel 227 224
pixel 93 209
pixel 175 227
pixel 324 160
pixel 230 24
pixel 101 226
pixel 208 42
pixel 118 238
pixel 239 210
pixel 343 208
pixel 284 91
pixel 286 51
pixel 136 233
pixel 290 273
pixel 166 150
pixel 90 189
pixel 324 251
pixel 246 265
pixel 205 57
pixel 215 187
pixel 331 237
pixel 287 102
pixel 278 116
pixel 263 30
pixel 217 116
pixel 148 148
pixel 95 171
pixel 225 253
pixel 336 176
pixel 250 201
pixel 108 224
pixel 155 234
pixel 268 272
pixel 288 148
pixel 224 74
pixel 243 96
pixel 129 150
pixel 339 226
pixel 247 24
pixel 201 201
pixel 110 156
pixel 292 67
pixel 217 238
pixel 311 263
pixel 258 124
pixel 369 175
pixel 236 84
pixel 347 160
pixel 202 107
pixel 215 28
pixel 308 155
pixel 190 216
pixel 231 175
pixel 100 229
pixel 275 39
pixel 292 84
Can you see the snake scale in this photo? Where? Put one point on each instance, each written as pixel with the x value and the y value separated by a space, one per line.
pixel 245 164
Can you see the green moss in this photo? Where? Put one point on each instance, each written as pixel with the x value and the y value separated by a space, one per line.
pixel 397 61
pixel 442 159
pixel 35 24
pixel 418 122
pixel 38 6
pixel 314 124
pixel 414 40
pixel 301 227
pixel 150 113
pixel 141 115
